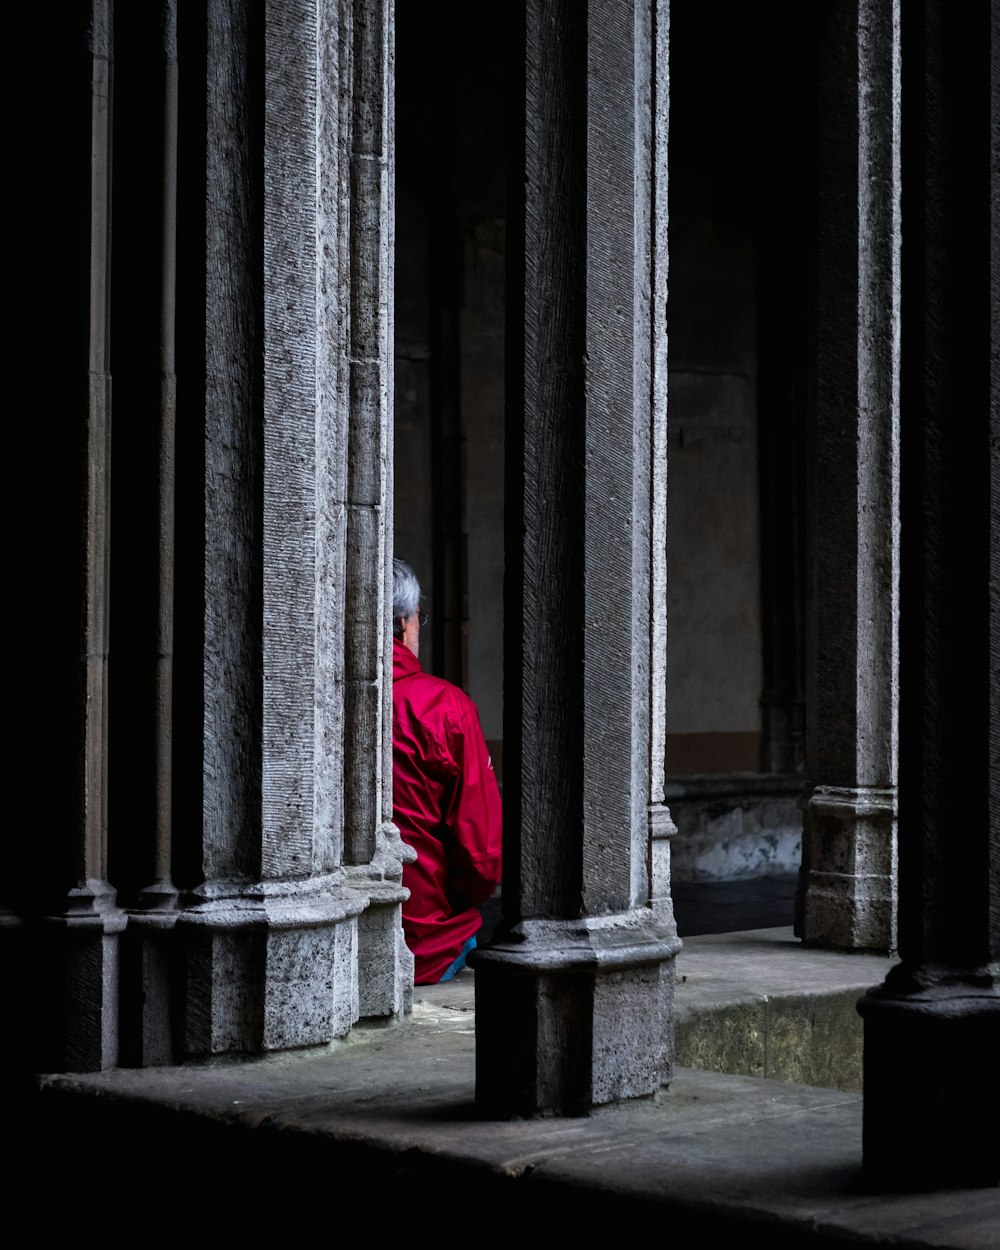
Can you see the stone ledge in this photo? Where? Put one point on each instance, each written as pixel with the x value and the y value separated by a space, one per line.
pixel 756 1003
pixel 761 1004
pixel 388 1115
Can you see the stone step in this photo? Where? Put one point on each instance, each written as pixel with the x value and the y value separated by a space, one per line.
pixel 759 1003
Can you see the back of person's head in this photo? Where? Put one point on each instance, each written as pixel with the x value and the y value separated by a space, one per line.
pixel 405 593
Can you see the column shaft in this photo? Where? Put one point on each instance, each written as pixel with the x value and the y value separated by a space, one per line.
pixel 296 415
pixel 573 1002
pixel 932 1030
pixel 374 851
pixel 847 892
pixel 152 962
pixel 82 949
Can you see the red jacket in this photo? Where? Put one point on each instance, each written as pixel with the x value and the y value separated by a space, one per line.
pixel 446 803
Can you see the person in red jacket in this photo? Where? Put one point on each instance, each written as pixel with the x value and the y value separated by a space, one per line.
pixel 445 797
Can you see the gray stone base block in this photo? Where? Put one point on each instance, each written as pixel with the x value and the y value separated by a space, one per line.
pixel 224 992
pixel 311 986
pixel 269 972
pixel 661 833
pixel 150 964
pixel 91 1038
pixel 574 1015
pixel 848 885
pixel 83 953
pixel 849 912
pixel 385 964
pixel 931 1096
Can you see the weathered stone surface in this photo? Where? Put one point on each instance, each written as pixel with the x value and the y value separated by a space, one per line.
pixel 270 966
pixel 854 528
pixel 574 1014
pixel 736 828
pixel 744 1156
pixel 575 1006
pixel 851 880
pixel 943 1001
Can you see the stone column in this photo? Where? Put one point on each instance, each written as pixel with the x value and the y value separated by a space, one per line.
pixel 152 922
pixel 848 879
pixel 655 219
pixel 82 950
pixel 573 997
pixel 932 1029
pixel 294 541
pixel 374 852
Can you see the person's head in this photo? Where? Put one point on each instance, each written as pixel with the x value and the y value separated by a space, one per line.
pixel 406 615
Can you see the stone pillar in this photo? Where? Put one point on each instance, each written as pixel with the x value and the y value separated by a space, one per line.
pixel 932 1029
pixel 151 923
pixel 374 852
pixel 848 878
pixel 81 950
pixel 574 995
pixel 656 27
pixel 295 534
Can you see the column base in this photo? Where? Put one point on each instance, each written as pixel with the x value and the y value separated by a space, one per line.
pixel 272 966
pixel 931 1097
pixel 847 895
pixel 81 970
pixel 385 962
pixel 574 1014
pixel 661 832
pixel 152 992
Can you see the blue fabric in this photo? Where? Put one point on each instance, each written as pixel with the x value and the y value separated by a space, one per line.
pixel 459 963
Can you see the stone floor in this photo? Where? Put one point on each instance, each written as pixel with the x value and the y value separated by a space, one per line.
pixel 384 1125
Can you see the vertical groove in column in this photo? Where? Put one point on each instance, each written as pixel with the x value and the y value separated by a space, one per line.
pixel 167 457
pixel 643 57
pixel 616 418
pixel 654 29
pixel 389 357
pixel 331 431
pixel 368 350
pixel 658 398
pixel 554 461
pixel 233 447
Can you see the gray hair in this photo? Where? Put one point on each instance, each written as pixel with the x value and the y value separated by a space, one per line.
pixel 405 591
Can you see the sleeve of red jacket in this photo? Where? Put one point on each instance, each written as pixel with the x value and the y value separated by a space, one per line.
pixel 473 817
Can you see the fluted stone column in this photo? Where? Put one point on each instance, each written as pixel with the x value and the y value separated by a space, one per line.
pixel 848 879
pixel 295 533
pixel 932 1029
pixel 574 995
